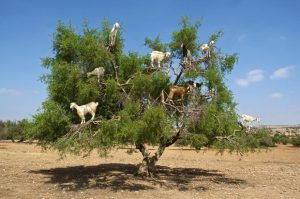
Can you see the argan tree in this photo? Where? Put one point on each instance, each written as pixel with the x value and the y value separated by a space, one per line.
pixel 133 108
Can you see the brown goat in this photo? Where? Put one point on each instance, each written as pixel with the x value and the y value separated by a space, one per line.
pixel 181 91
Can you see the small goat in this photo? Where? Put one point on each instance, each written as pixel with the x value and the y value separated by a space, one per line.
pixel 113 35
pixel 84 109
pixel 157 56
pixel 206 48
pixel 186 54
pixel 181 91
pixel 247 119
pixel 99 72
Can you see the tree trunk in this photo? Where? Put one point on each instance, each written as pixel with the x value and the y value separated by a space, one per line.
pixel 148 165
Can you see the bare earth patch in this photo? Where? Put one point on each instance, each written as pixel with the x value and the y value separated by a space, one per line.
pixel 27 172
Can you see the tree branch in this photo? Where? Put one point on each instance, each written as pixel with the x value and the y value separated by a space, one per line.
pixel 175 107
pixel 174 138
pixel 229 138
pixel 166 144
pixel 199 60
pixel 178 76
pixel 142 148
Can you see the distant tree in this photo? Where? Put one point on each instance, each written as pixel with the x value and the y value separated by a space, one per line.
pixel 295 140
pixel 132 107
pixel 280 138
pixel 13 130
pixel 3 130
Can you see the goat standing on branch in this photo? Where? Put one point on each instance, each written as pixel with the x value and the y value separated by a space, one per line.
pixel 247 120
pixel 206 48
pixel 181 91
pixel 187 56
pixel 113 35
pixel 157 56
pixel 84 109
pixel 99 72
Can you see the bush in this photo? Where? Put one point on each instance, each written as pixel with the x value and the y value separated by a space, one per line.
pixel 296 141
pixel 267 142
pixel 280 138
pixel 182 142
pixel 13 130
pixel 263 135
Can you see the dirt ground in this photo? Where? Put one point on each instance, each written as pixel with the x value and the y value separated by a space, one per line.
pixel 27 172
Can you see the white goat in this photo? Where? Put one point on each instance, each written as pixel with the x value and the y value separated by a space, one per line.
pixel 84 109
pixel 157 56
pixel 205 48
pixel 247 120
pixel 99 72
pixel 113 34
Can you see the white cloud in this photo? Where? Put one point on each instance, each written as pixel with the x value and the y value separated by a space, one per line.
pixel 242 82
pixel 252 76
pixel 255 75
pixel 276 95
pixel 281 73
pixel 11 92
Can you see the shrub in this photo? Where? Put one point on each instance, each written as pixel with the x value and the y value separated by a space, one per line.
pixel 296 141
pixel 13 130
pixel 280 138
pixel 263 135
pixel 267 142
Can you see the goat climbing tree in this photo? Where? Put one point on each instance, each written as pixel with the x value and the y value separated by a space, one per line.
pixel 132 109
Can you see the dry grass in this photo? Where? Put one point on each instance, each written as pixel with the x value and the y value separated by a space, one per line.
pixel 27 172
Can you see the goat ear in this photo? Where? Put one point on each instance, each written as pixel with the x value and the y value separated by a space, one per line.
pixel 199 84
pixel 191 82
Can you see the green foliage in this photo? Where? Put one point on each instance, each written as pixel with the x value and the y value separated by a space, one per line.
pixel 156 127
pixel 262 138
pixel 295 141
pixel 133 95
pixel 63 82
pixel 280 138
pixel 198 141
pixel 149 85
pixel 111 91
pixel 215 36
pixel 186 35
pixel 66 44
pixel 228 62
pixel 50 123
pixel 130 65
pixel 88 91
pixel 3 130
pixel 13 130
pixel 155 44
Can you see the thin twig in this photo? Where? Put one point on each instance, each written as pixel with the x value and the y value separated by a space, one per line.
pixel 175 107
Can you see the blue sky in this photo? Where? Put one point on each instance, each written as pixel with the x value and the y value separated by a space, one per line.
pixel 265 34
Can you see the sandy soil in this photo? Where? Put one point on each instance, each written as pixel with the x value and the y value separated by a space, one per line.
pixel 27 172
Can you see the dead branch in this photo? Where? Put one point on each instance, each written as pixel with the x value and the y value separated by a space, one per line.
pixel 199 60
pixel 78 128
pixel 229 138
pixel 175 107
pixel 150 69
pixel 116 71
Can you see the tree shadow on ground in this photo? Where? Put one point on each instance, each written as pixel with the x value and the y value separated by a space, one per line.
pixel 117 177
